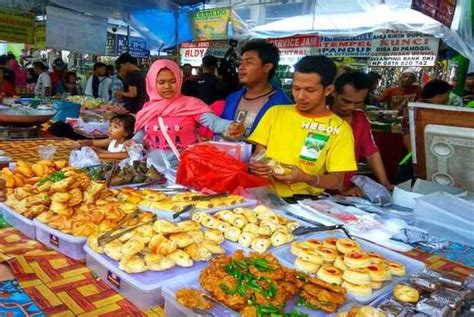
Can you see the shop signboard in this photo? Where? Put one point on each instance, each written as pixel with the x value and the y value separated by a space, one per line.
pixel 394 48
pixel 193 52
pixel 294 48
pixel 358 46
pixel 440 10
pixel 16 26
pixel 39 36
pixel 117 44
pixel 216 24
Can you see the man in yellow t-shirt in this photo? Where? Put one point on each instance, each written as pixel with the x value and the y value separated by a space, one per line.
pixel 315 144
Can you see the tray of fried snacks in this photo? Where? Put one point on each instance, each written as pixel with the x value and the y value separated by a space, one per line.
pixel 165 205
pixel 365 270
pixel 27 173
pixel 257 228
pixel 252 285
pixel 428 293
pixel 140 262
pixel 362 311
pixel 17 220
pixel 137 173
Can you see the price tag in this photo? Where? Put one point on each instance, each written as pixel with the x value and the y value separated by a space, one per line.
pixel 54 240
pixel 113 278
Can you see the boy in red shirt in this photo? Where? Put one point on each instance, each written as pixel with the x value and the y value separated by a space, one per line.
pixel 349 96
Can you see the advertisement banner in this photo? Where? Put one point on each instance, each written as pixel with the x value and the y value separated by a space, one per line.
pixel 39 36
pixel 16 26
pixel 440 10
pixel 294 48
pixel 216 24
pixel 193 52
pixel 358 46
pixel 393 48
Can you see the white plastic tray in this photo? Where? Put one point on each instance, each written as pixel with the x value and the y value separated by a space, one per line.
pixel 23 224
pixel 169 215
pixel 66 244
pixel 411 265
pixel 142 289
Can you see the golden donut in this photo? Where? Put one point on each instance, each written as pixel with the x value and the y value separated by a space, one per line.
pixel 311 256
pixel 330 242
pixel 396 268
pixel 339 263
pixel 328 254
pixel 347 245
pixel 313 243
pixel 357 276
pixel 376 285
pixel 358 290
pixel 379 272
pixel 406 294
pixel 356 259
pixel 305 266
pixel 375 257
pixel 330 274
pixel 298 248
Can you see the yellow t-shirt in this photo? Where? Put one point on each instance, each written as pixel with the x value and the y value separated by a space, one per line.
pixel 316 145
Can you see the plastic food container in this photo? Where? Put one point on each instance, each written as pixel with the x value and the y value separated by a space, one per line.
pixel 169 215
pixel 65 109
pixel 142 289
pixel 23 224
pixel 411 265
pixel 66 244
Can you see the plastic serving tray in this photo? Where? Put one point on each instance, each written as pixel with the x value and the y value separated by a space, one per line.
pixel 169 215
pixel 23 224
pixel 173 308
pixel 66 244
pixel 411 265
pixel 142 289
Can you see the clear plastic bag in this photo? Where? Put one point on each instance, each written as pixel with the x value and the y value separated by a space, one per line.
pixel 85 157
pixel 47 152
pixel 374 192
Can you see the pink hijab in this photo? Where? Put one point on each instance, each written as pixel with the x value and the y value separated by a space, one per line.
pixel 178 106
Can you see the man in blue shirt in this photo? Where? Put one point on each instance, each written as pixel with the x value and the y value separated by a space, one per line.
pixel 248 105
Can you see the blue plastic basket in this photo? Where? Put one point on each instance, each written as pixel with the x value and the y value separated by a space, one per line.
pixel 65 109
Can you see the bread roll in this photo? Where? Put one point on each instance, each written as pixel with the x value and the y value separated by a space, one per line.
pixel 188 225
pixel 339 263
pixel 214 235
pixel 159 244
pixel 292 225
pixel 239 221
pixel 199 216
pixel 356 259
pixel 250 227
pixel 246 239
pixel 312 256
pixel 180 258
pixel 357 290
pixel 164 226
pixel 396 268
pixel 182 239
pixel 213 247
pixel 232 234
pixel 260 245
pixel 379 272
pixel 132 264
pixel 357 276
pixel 158 262
pixel 280 238
pixel 330 242
pixel 250 216
pixel 347 245
pixel 132 247
pixel 222 226
pixel 406 294
pixel 225 215
pixel 113 250
pixel 328 254
pixel 298 248
pixel 198 252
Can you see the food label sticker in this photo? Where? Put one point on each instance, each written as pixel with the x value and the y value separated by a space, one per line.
pixel 113 278
pixel 312 147
pixel 54 240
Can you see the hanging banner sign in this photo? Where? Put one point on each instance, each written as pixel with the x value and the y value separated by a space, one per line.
pixel 39 36
pixel 193 52
pixel 294 48
pixel 16 26
pixel 216 24
pixel 393 48
pixel 358 46
pixel 75 32
pixel 440 10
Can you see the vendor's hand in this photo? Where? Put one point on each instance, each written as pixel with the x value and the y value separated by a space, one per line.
pixel 118 95
pixel 388 186
pixel 236 130
pixel 260 169
pixel 2 189
pixel 296 176
pixel 354 192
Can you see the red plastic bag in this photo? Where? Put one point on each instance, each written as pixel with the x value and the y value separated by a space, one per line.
pixel 205 166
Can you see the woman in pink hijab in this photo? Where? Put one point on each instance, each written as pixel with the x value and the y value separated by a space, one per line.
pixel 169 120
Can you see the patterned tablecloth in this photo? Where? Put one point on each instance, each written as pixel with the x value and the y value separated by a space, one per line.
pixel 27 150
pixel 58 285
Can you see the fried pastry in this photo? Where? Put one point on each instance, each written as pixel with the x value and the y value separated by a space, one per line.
pixel 181 239
pixel 158 262
pixel 232 234
pixel 113 249
pixel 198 252
pixel 181 258
pixel 132 246
pixel 246 239
pixel 260 245
pixel 280 238
pixel 213 247
pixel 214 235
pixel 161 245
pixel 132 264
